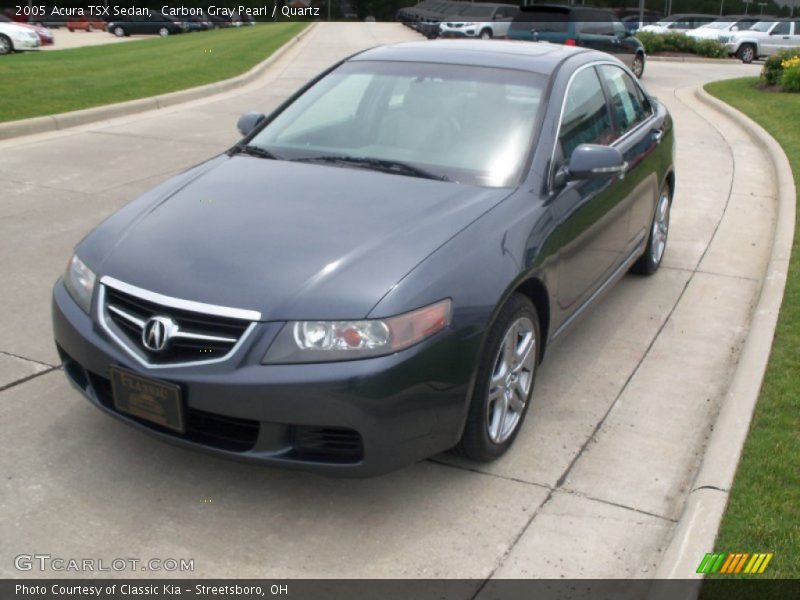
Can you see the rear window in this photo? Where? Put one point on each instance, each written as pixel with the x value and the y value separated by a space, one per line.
pixel 544 20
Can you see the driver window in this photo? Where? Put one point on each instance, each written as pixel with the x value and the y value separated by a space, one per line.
pixel 781 29
pixel 586 119
pixel 626 100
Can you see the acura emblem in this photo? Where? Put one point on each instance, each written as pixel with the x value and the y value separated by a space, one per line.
pixel 157 332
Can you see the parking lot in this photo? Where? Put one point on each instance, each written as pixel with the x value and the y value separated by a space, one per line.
pixel 597 477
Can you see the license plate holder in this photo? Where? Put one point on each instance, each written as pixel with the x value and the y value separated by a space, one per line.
pixel 149 399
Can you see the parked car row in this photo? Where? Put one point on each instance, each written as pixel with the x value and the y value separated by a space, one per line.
pixel 458 19
pixel 595 28
pixel 15 37
pixel 163 25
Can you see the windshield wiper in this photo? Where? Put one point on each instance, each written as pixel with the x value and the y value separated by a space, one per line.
pixel 251 150
pixel 378 164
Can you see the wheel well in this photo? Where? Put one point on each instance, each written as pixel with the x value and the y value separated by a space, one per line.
pixel 670 181
pixel 536 292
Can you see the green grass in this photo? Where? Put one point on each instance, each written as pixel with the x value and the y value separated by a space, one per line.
pixel 44 83
pixel 763 513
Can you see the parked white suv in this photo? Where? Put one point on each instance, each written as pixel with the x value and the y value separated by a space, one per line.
pixel 14 37
pixel 765 38
pixel 482 20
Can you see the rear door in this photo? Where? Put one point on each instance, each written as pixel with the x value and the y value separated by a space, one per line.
pixel 546 24
pixel 503 17
pixel 637 139
pixel 777 39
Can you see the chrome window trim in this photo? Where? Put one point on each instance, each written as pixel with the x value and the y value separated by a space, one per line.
pixel 551 168
pixel 133 353
pixel 190 305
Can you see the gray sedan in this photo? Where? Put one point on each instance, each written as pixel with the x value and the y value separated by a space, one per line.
pixel 375 272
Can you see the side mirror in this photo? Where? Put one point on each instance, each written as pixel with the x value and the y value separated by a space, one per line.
pixel 589 161
pixel 735 28
pixel 249 121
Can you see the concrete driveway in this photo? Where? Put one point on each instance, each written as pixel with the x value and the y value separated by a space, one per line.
pixel 598 475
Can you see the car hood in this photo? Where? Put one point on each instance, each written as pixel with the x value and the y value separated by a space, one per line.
pixel 291 240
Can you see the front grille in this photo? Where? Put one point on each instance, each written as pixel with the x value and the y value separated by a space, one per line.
pixel 326 444
pixel 197 337
pixel 210 429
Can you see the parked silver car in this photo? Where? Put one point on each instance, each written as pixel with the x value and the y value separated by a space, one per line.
pixel 485 21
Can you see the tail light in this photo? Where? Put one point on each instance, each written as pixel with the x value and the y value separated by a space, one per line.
pixel 571 42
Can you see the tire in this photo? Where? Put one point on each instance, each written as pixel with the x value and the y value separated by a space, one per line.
pixel 504 383
pixel 89 28
pixel 163 32
pixel 6 45
pixel 746 53
pixel 649 262
pixel 486 34
pixel 119 31
pixel 638 66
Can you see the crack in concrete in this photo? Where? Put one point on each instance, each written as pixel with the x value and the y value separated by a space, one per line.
pixel 8 386
pixel 25 358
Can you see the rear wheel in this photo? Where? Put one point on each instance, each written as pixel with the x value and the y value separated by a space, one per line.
pixel 90 28
pixel 649 262
pixel 486 34
pixel 6 47
pixel 504 384
pixel 163 32
pixel 638 66
pixel 119 31
pixel 747 53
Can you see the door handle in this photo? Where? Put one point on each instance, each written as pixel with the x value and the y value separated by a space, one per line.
pixel 658 135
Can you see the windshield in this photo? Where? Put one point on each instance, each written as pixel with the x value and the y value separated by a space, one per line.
pixel 762 26
pixel 666 21
pixel 467 124
pixel 718 25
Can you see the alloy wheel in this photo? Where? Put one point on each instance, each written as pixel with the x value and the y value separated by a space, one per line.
pixel 511 381
pixel 638 66
pixel 119 31
pixel 660 229
pixel 5 45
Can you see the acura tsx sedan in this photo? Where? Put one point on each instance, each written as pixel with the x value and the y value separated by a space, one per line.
pixel 374 273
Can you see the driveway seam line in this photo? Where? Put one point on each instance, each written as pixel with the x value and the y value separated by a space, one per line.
pixel 13 384
pixel 33 360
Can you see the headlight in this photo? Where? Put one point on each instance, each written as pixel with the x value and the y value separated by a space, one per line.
pixel 79 280
pixel 326 341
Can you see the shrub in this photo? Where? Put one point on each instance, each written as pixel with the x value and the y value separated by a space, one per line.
pixel 790 78
pixel 652 42
pixel 677 42
pixel 710 49
pixel 773 67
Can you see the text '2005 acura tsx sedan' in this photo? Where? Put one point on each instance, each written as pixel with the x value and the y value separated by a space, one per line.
pixel 374 273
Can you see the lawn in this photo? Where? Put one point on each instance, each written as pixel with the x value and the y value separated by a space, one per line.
pixel 763 513
pixel 44 83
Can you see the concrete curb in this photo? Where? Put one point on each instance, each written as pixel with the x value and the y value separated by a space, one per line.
pixel 692 59
pixel 100 113
pixel 698 526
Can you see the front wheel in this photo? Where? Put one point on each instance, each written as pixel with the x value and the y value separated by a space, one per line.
pixel 649 262
pixel 163 32
pixel 747 53
pixel 6 47
pixel 638 66
pixel 486 34
pixel 504 384
pixel 89 28
pixel 119 32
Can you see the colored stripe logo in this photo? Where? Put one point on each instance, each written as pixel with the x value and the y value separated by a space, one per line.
pixel 734 562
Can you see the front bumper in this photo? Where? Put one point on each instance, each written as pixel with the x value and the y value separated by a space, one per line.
pixel 458 33
pixel 355 418
pixel 27 43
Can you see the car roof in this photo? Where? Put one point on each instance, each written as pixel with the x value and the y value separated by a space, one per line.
pixel 536 57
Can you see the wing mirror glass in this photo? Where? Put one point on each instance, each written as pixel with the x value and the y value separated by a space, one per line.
pixel 589 161
pixel 249 121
